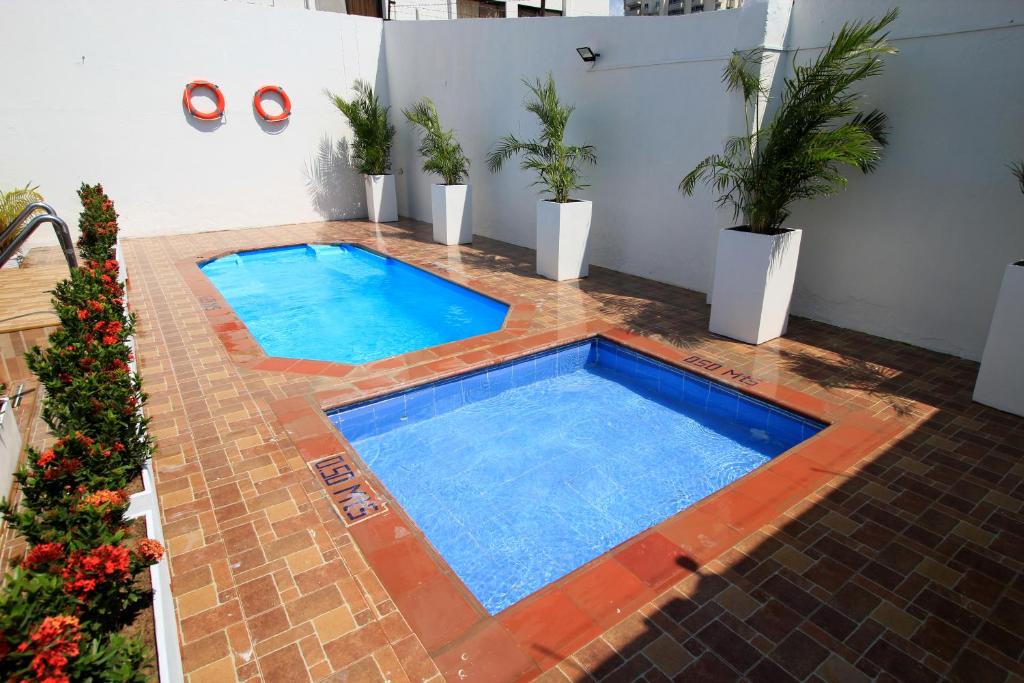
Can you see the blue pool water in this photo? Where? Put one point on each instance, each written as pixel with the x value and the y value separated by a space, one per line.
pixel 345 304
pixel 523 472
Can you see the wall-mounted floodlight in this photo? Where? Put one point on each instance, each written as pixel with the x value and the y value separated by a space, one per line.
pixel 588 55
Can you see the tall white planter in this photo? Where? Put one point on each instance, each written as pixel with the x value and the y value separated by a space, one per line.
pixel 563 239
pixel 1001 377
pixel 381 200
pixel 452 211
pixel 754 275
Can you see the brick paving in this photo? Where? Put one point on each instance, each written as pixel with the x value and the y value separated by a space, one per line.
pixel 903 565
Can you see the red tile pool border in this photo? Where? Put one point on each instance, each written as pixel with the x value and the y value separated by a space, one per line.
pixel 540 630
pixel 244 350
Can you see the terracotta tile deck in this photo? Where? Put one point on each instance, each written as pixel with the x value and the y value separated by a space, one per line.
pixel 903 562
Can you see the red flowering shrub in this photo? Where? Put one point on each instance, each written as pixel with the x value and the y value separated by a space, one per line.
pixel 149 551
pixel 43 640
pixel 87 572
pixel 97 223
pixel 75 464
pixel 105 497
pixel 62 606
pixel 43 556
pixel 51 645
pixel 90 390
pixel 85 368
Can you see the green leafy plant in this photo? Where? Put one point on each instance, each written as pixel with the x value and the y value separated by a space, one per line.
pixel 12 203
pixel 371 149
pixel 97 224
pixel 1018 171
pixel 815 132
pixel 556 164
pixel 442 154
pixel 65 604
pixel 85 367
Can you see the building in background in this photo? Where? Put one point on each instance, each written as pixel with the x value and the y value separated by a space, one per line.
pixel 453 9
pixel 479 9
pixel 674 7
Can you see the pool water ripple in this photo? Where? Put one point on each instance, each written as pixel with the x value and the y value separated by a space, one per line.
pixel 517 484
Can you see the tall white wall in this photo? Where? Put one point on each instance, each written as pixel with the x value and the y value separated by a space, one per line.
pixel 913 252
pixel 916 250
pixel 653 105
pixel 94 94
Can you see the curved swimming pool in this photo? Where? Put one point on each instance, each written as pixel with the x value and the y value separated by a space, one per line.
pixel 344 304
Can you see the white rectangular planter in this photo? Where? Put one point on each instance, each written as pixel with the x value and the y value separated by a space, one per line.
pixel 754 275
pixel 1001 377
pixel 381 200
pixel 563 239
pixel 452 211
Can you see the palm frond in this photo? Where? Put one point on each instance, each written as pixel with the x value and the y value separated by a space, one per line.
pixel 372 132
pixel 557 165
pixel 13 202
pixel 740 73
pixel 442 154
pixel 1018 171
pixel 815 132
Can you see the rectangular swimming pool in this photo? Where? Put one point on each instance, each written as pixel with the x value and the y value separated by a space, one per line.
pixel 520 473
pixel 345 304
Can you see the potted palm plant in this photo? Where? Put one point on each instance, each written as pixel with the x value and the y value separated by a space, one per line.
pixel 1001 376
pixel 563 223
pixel 451 200
pixel 12 203
pixel 371 149
pixel 798 154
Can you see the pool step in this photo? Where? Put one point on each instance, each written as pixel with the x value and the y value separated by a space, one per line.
pixel 320 251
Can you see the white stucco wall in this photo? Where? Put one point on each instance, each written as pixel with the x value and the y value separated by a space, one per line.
pixel 916 251
pixel 652 105
pixel 99 99
pixel 913 252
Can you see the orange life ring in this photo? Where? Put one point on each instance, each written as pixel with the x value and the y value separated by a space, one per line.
pixel 286 104
pixel 204 115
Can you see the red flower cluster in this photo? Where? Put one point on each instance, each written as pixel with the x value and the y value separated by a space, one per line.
pixel 54 642
pixel 42 555
pixel 86 571
pixel 109 331
pixel 91 307
pixel 68 455
pixel 54 468
pixel 106 272
pixel 105 497
pixel 150 550
pixel 76 438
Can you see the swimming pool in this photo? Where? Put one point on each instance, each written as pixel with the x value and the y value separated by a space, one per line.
pixel 345 304
pixel 523 472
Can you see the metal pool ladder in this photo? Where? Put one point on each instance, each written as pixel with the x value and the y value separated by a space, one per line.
pixel 49 216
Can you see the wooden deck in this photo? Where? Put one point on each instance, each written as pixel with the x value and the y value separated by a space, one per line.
pixel 25 291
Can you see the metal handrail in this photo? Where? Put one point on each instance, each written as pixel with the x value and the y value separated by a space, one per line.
pixel 59 226
pixel 30 209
